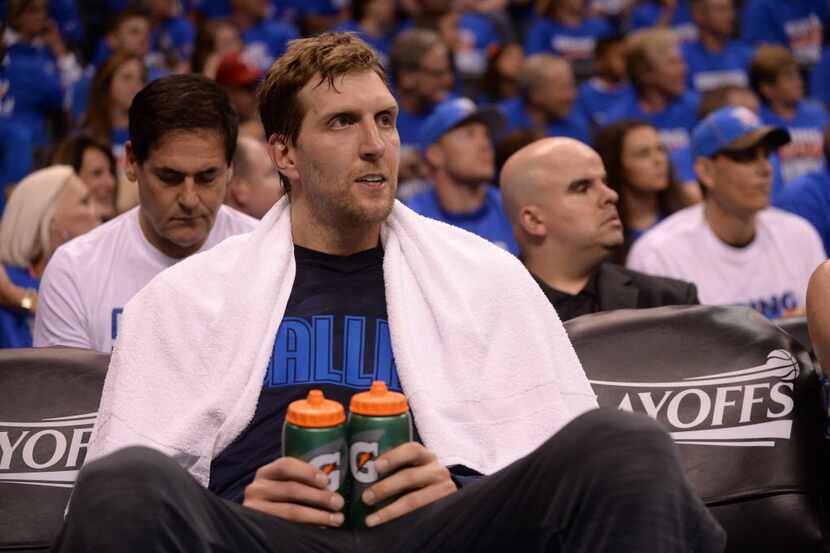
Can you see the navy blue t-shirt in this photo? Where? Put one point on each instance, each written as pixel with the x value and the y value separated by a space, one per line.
pixel 334 336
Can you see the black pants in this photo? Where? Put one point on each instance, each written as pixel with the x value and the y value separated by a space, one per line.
pixel 607 482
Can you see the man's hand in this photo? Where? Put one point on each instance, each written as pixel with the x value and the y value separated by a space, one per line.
pixel 294 490
pixel 420 477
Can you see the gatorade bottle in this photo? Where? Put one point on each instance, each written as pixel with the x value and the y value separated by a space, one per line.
pixel 315 432
pixel 379 421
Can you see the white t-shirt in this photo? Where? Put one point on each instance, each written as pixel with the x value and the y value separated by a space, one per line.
pixel 770 274
pixel 89 279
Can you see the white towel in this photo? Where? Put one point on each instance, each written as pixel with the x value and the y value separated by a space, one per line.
pixel 482 356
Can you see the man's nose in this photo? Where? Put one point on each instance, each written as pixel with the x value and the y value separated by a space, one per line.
pixel 372 145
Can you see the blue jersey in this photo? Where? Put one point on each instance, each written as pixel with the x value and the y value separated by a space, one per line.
pixel 15 324
pixel 820 79
pixel 65 13
pixel 675 123
pixel 488 221
pixel 708 70
pixel 575 125
pixel 15 155
pixel 804 153
pixel 797 24
pixel 266 41
pixel 595 98
pixel 30 89
pixel 809 197
pixel 572 43
pixel 647 13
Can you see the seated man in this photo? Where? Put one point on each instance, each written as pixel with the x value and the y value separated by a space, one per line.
pixel 182 139
pixel 214 349
pixel 457 147
pixel 565 220
pixel 736 248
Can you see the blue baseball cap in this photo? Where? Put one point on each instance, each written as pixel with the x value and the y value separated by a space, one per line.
pixel 732 129
pixel 450 114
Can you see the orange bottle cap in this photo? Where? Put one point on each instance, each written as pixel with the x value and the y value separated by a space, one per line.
pixel 315 411
pixel 379 401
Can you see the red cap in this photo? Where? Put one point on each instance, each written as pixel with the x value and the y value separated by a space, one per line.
pixel 233 70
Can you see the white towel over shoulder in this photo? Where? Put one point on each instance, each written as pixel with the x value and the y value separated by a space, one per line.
pixel 481 354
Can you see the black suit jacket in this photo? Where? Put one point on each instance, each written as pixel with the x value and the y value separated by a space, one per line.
pixel 621 288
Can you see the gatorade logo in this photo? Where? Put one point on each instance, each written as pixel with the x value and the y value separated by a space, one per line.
pixel 362 456
pixel 329 463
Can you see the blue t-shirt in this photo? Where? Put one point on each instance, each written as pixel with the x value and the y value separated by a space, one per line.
pixel 30 89
pixel 16 325
pixel 266 41
pixel 647 13
pixel 576 125
pixel 334 336
pixel 572 43
pixel 65 13
pixel 595 98
pixel 409 126
pixel 674 124
pixel 805 152
pixel 708 70
pixel 797 24
pixel 820 79
pixel 488 221
pixel 809 197
pixel 176 34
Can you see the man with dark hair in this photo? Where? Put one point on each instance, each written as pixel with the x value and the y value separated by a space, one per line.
pixel 715 60
pixel 610 82
pixel 217 347
pixel 182 140
pixel 775 76
pixel 565 219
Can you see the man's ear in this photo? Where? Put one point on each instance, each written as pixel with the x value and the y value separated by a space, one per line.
pixel 131 165
pixel 282 155
pixel 434 156
pixel 532 221
pixel 705 171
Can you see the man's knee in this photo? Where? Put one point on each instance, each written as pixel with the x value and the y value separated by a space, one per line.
pixel 128 478
pixel 612 438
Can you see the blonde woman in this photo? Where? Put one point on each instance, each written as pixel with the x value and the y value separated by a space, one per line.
pixel 49 207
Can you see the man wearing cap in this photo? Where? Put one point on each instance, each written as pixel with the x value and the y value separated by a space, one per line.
pixel 736 248
pixel 239 80
pixel 456 145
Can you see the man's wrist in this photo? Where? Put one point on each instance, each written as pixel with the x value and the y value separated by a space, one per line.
pixel 28 300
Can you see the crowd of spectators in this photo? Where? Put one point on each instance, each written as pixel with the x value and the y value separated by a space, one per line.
pixel 475 82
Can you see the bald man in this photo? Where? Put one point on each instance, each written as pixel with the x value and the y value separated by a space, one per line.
pixel 255 186
pixel 565 220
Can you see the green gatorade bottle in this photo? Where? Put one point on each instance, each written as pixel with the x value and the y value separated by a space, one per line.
pixel 315 432
pixel 378 421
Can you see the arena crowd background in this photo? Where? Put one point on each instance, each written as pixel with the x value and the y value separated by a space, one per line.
pixel 553 67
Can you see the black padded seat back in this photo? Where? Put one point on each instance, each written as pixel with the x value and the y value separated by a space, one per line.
pixel 742 402
pixel 48 402
pixel 797 328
